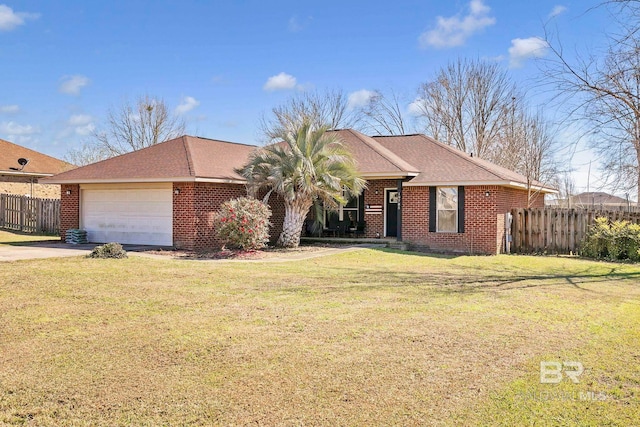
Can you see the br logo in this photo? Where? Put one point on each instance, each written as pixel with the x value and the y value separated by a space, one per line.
pixel 551 372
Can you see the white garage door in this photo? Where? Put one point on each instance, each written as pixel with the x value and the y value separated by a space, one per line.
pixel 140 215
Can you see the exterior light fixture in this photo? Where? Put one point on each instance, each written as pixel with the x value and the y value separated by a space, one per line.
pixel 487 194
pixel 176 191
pixel 68 192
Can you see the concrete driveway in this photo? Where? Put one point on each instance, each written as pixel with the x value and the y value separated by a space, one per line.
pixel 52 249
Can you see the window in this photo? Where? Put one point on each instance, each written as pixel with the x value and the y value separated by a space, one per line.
pixel 350 211
pixel 447 209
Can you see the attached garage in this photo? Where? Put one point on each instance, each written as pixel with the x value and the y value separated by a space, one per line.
pixel 127 213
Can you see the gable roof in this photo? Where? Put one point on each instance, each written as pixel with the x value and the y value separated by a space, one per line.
pixel 440 164
pixel 186 158
pixel 40 165
pixel 418 159
pixel 373 159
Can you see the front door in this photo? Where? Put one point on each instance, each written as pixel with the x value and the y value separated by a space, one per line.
pixel 391 213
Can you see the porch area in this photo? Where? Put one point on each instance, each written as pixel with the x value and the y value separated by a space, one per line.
pixel 388 242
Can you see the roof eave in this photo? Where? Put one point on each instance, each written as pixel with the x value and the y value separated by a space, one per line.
pixel 503 183
pixel 143 180
pixel 31 174
pixel 389 175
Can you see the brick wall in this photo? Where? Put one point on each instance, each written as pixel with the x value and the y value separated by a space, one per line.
pixel 69 208
pixel 276 203
pixel 22 186
pixel 194 209
pixel 483 219
pixel 375 222
pixel 184 217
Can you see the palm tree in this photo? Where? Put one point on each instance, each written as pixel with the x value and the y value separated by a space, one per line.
pixel 308 165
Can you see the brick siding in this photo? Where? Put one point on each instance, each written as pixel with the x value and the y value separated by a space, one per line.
pixel 69 208
pixel 375 221
pixel 276 203
pixel 22 186
pixel 194 209
pixel 197 203
pixel 483 219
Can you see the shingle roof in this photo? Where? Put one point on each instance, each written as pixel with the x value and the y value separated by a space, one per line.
pixel 186 158
pixel 373 158
pixel 441 164
pixel 597 198
pixel 39 164
pixel 417 157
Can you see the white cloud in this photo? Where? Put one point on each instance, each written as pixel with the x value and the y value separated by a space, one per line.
pixel 360 98
pixel 9 20
pixel 557 10
pixel 294 25
pixel 282 81
pixel 9 109
pixel 81 124
pixel 188 103
pixel 455 30
pixel 415 109
pixel 13 129
pixel 523 49
pixel 72 85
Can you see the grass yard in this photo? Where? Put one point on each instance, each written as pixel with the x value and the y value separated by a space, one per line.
pixel 18 238
pixel 370 337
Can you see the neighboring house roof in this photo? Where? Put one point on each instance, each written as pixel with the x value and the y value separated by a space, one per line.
pixel 443 165
pixel 373 159
pixel 186 158
pixel 597 198
pixel 39 165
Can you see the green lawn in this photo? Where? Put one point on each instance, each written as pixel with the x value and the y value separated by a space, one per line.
pixel 364 338
pixel 17 238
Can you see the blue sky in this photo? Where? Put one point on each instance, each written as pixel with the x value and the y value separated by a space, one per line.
pixel 221 65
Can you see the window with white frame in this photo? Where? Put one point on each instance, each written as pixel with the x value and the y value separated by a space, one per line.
pixel 349 211
pixel 447 209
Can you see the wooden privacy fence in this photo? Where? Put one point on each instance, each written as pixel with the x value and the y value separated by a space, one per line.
pixel 29 214
pixel 553 230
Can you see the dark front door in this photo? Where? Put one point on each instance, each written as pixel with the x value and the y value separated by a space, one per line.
pixel 391 212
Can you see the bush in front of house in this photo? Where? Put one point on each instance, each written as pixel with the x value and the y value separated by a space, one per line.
pixel 108 250
pixel 243 223
pixel 618 240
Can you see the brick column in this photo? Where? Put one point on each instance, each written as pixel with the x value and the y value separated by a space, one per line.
pixel 69 208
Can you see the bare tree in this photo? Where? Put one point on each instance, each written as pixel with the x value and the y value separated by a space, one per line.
pixel 328 109
pixel 473 106
pixel 535 144
pixel 464 105
pixel 89 152
pixel 134 126
pixel 602 91
pixel 567 189
pixel 385 114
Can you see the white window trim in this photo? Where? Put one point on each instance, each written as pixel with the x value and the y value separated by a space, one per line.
pixel 455 210
pixel 341 210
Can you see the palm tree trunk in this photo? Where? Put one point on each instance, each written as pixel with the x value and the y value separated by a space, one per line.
pixel 294 214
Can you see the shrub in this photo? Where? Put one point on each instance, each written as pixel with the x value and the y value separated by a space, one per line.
pixel 243 223
pixel 108 250
pixel 619 240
